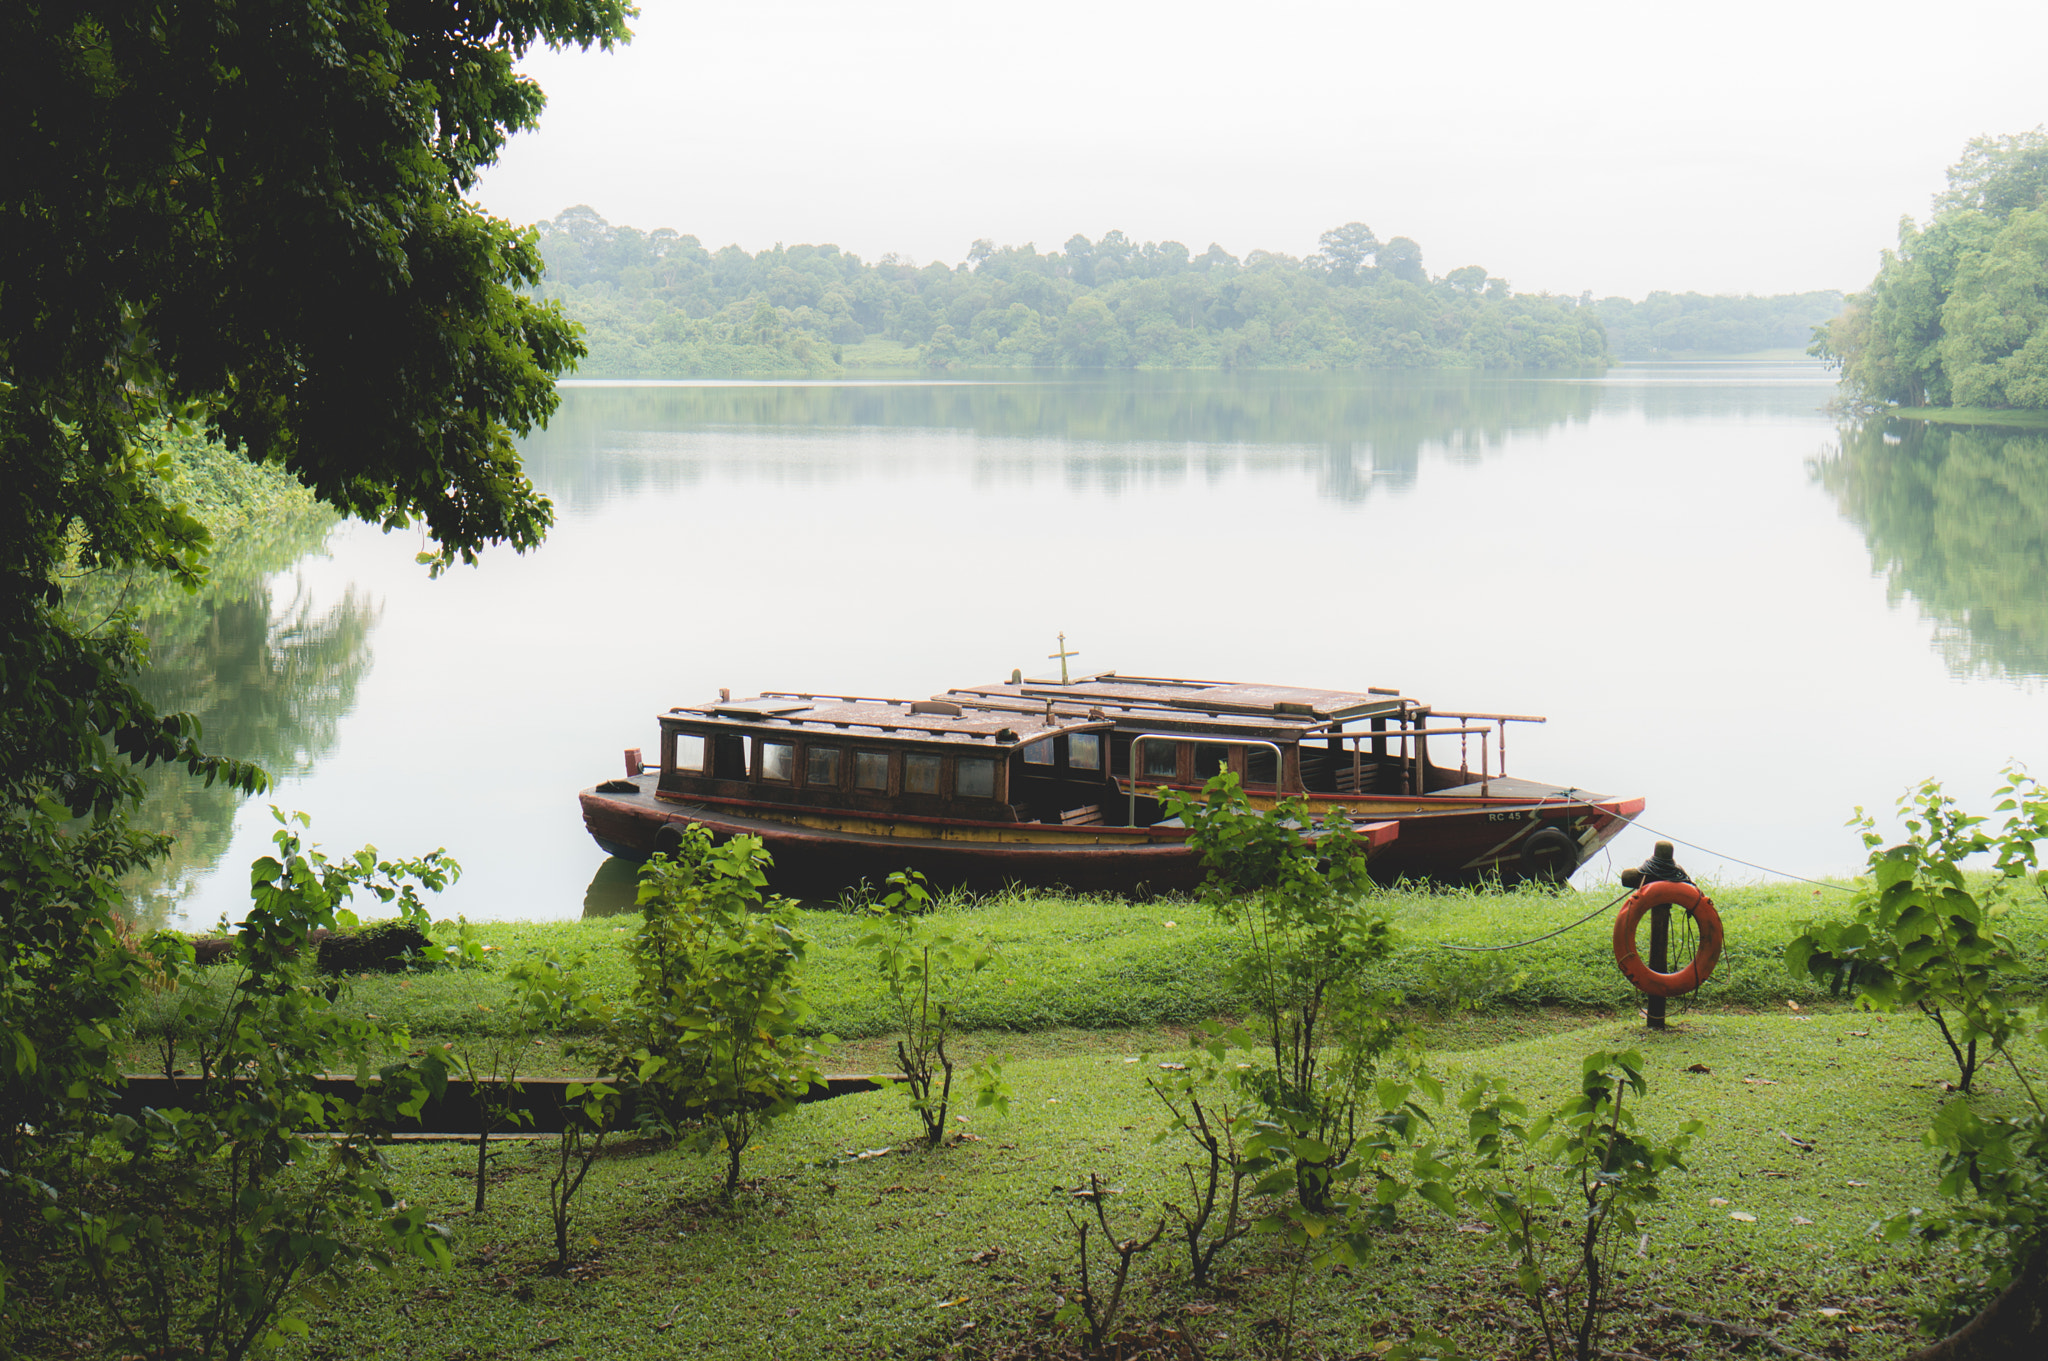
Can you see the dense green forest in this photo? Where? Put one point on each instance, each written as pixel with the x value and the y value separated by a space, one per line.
pixel 658 304
pixel 1680 325
pixel 1958 315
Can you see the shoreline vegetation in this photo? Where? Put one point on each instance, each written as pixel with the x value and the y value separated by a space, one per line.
pixel 660 305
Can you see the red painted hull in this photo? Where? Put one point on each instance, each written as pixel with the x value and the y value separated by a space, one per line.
pixel 1487 844
pixel 819 863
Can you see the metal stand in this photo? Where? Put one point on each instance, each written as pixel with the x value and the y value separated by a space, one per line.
pixel 1660 940
pixel 1660 868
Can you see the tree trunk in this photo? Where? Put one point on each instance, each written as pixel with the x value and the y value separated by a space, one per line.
pixel 2012 1325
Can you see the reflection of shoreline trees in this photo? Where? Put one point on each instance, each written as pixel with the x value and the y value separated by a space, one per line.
pixel 1350 433
pixel 270 685
pixel 1957 518
pixel 268 682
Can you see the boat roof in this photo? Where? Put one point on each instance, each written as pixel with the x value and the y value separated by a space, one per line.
pixel 1210 705
pixel 865 718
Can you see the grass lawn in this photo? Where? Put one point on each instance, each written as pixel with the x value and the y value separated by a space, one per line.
pixel 829 1253
pixel 849 1243
pixel 1104 965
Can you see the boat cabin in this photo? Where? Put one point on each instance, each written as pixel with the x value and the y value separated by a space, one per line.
pixel 1278 739
pixel 923 759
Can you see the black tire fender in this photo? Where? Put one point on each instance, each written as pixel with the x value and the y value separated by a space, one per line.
pixel 1551 854
pixel 668 838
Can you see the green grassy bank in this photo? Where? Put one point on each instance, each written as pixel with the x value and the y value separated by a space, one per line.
pixel 1067 964
pixel 850 1241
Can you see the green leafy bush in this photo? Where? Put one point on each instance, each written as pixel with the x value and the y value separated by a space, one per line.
pixel 924 969
pixel 1608 1172
pixel 711 1040
pixel 1294 892
pixel 1920 936
pixel 201 1227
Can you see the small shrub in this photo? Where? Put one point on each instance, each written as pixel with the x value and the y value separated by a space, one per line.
pixel 1216 1182
pixel 711 1038
pixel 1294 891
pixel 1919 937
pixel 923 970
pixel 1608 1173
pixel 1099 1286
pixel 201 1228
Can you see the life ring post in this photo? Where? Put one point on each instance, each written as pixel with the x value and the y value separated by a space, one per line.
pixel 1660 958
pixel 1660 886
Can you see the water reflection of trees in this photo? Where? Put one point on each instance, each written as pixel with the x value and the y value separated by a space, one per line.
pixel 1957 518
pixel 269 680
pixel 1354 433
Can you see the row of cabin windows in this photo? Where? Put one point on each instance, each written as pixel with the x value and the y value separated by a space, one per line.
pixel 826 767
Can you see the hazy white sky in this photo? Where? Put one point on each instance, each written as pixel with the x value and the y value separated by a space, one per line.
pixel 1758 146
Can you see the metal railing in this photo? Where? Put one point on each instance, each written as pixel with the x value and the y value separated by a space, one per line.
pixel 1279 763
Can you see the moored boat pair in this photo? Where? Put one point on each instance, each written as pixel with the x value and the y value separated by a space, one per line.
pixel 1056 784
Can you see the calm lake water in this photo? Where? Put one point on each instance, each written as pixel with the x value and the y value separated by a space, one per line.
pixel 1722 600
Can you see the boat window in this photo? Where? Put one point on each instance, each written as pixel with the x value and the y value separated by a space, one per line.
pixel 729 757
pixel 1039 753
pixel 1162 759
pixel 920 773
pixel 871 770
pixel 821 767
pixel 1208 756
pixel 1258 766
pixel 778 762
pixel 1084 751
pixel 689 752
pixel 974 778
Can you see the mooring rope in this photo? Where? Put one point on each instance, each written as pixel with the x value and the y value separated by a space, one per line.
pixel 1444 944
pixel 1783 874
pixel 1535 940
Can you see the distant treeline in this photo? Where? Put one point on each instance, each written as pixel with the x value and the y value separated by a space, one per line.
pixel 1677 325
pixel 658 304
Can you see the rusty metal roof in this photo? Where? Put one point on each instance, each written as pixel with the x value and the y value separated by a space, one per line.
pixel 869 719
pixel 1257 703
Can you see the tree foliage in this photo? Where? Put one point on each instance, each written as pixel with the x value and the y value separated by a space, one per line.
pixel 1955 316
pixel 661 304
pixel 246 218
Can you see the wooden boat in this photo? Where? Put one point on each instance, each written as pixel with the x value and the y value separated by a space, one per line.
pixel 1366 754
pixel 843 789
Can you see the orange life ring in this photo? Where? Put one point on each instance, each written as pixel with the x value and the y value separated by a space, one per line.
pixel 1688 979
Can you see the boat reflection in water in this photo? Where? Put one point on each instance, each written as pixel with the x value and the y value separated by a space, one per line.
pixel 614 889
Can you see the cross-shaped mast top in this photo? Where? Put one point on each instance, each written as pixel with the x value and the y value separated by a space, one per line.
pixel 1062 654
